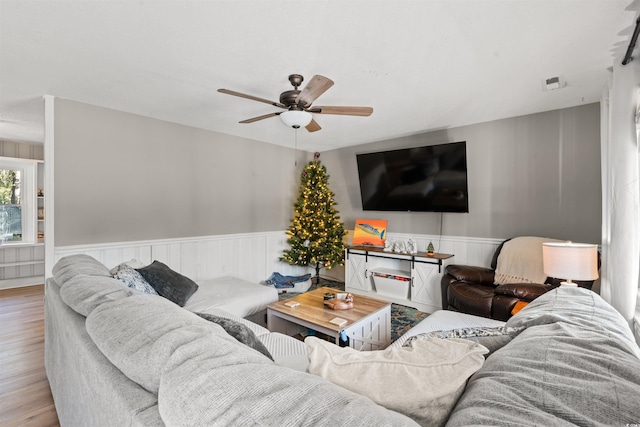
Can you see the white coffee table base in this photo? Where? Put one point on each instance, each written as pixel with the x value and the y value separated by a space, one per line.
pixel 372 332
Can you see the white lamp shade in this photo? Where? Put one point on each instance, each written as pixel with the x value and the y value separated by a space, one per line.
pixel 570 261
pixel 296 119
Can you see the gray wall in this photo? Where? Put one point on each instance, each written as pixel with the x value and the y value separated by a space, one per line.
pixel 531 175
pixel 122 177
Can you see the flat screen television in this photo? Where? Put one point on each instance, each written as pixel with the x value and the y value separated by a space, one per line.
pixel 421 179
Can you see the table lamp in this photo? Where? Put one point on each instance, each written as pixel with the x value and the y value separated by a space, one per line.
pixel 570 261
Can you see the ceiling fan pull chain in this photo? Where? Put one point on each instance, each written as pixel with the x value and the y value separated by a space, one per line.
pixel 295 150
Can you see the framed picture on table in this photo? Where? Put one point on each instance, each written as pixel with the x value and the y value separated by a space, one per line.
pixel 370 232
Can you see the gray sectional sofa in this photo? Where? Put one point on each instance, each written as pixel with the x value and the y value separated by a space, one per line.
pixel 117 357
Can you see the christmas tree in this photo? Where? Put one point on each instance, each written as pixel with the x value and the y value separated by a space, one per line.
pixel 316 232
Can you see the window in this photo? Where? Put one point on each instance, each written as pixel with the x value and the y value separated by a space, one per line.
pixel 17 200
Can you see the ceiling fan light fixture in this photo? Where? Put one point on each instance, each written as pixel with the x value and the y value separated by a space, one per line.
pixel 295 118
pixel 297 104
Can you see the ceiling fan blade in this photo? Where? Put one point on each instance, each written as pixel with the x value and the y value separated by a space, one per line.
pixel 255 119
pixel 313 126
pixel 346 111
pixel 253 98
pixel 316 87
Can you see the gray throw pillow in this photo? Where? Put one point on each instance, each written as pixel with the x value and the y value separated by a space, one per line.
pixel 168 283
pixel 239 331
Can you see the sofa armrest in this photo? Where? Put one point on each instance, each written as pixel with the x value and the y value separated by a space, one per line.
pixel 471 274
pixel 523 291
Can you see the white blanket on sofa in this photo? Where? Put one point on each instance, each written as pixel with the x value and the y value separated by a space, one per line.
pixel 233 295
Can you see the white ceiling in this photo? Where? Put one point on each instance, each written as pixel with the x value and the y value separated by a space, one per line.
pixel 422 65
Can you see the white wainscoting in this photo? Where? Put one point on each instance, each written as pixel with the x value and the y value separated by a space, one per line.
pixel 465 250
pixel 254 256
pixel 249 256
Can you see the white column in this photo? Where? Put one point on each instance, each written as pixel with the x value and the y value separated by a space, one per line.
pixel 49 255
pixel 621 238
pixel 605 118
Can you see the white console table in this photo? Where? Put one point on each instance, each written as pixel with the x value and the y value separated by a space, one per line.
pixel 362 263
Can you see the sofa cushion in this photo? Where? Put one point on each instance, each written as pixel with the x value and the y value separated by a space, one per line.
pixel 575 363
pixel 523 291
pixel 576 306
pixel 476 300
pixel 139 335
pixel 239 331
pixel 223 390
pixel 286 351
pixel 83 293
pixel 169 283
pixel 422 381
pixel 73 265
pixel 465 273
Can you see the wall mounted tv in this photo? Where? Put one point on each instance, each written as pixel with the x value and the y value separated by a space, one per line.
pixel 420 179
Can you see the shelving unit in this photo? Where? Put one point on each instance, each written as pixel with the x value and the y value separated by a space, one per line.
pixel 424 272
pixel 23 264
pixel 40 219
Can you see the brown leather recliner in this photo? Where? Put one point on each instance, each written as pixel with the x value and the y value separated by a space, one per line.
pixel 472 290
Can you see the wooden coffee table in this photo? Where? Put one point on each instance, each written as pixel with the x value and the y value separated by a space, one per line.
pixel 368 324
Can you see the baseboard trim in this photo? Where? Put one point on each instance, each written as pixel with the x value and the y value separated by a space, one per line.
pixel 21 282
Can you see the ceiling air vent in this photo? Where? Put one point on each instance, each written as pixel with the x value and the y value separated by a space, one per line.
pixel 552 83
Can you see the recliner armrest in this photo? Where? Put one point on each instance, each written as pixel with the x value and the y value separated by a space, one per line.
pixel 523 291
pixel 471 274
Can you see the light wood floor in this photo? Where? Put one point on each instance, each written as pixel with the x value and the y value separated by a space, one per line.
pixel 25 397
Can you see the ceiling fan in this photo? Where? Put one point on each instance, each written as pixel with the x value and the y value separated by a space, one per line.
pixel 297 103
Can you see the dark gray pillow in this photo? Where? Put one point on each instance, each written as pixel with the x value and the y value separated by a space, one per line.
pixel 239 331
pixel 168 283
